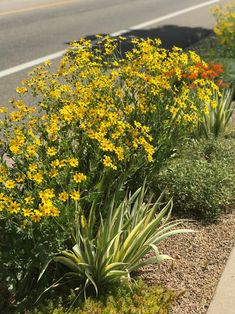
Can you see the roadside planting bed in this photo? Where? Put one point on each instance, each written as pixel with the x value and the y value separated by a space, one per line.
pixel 125 162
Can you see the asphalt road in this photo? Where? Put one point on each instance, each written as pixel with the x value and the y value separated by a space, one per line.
pixel 31 29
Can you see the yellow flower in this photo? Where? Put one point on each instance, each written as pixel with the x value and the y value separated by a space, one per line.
pixel 48 209
pixel 29 200
pixel 21 90
pixel 173 110
pixel 106 145
pixel 79 177
pixel 107 161
pixel 38 177
pixel 29 175
pixel 137 124
pixel 47 63
pixel 55 163
pixel 214 104
pixel 37 141
pixel 20 104
pixel 206 110
pixel 32 150
pixel 53 173
pixel 13 207
pixel 63 163
pixel 187 118
pixel 10 184
pixel 63 196
pixel 46 194
pixel 119 152
pixel 36 215
pixel 54 212
pixel 51 151
pixel 55 94
pixel 27 212
pixel 3 109
pixel 33 167
pixel 15 115
pixel 15 149
pixel 75 195
pixel 73 162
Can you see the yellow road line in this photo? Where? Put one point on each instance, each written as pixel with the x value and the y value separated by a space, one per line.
pixel 36 7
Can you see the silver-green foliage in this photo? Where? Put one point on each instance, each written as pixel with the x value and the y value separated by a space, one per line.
pixel 201 178
pixel 106 253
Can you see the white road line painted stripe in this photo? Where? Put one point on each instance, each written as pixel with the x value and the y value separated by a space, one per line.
pixel 163 18
pixel 169 16
pixel 119 32
pixel 59 54
pixel 32 63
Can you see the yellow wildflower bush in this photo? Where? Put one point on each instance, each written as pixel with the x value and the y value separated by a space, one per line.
pixel 96 121
pixel 225 25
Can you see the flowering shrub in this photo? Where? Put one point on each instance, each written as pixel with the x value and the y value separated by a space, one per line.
pixel 225 25
pixel 97 120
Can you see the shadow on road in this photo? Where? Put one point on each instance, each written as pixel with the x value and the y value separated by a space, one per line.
pixel 171 35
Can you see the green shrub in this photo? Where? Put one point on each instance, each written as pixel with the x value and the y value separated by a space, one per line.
pixel 201 180
pixel 221 149
pixel 134 299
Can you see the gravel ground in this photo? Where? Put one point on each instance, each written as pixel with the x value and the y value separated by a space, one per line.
pixel 199 262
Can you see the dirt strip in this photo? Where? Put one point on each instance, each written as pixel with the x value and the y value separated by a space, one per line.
pixel 199 262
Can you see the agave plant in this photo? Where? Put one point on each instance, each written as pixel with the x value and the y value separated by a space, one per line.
pixel 105 253
pixel 216 121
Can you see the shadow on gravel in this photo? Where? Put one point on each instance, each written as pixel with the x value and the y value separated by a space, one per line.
pixel 171 35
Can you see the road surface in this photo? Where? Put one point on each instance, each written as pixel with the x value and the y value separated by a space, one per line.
pixel 31 29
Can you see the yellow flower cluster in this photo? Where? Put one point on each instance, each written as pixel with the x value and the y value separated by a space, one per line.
pixel 97 112
pixel 225 24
